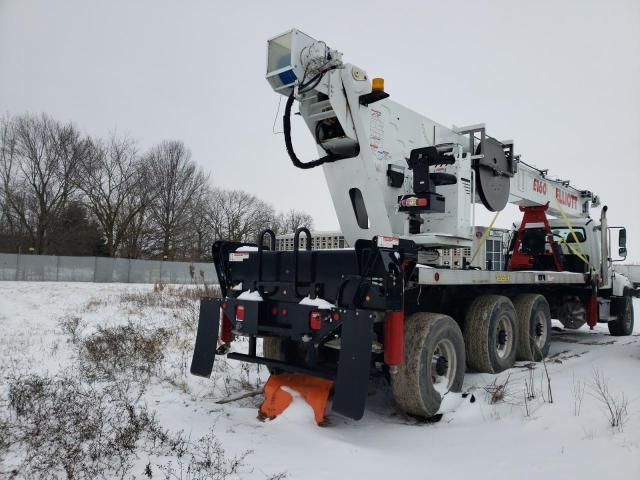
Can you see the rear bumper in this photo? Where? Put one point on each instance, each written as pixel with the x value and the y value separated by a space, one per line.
pixel 356 327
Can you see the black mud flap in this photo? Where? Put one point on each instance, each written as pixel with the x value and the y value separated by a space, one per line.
pixel 207 338
pixel 352 380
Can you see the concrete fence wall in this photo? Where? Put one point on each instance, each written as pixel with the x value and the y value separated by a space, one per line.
pixel 100 269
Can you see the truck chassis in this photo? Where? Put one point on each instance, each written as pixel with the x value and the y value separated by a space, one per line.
pixel 347 314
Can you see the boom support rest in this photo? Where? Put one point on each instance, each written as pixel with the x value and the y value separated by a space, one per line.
pixel 529 249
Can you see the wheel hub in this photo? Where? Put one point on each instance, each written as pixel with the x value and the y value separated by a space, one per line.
pixel 502 337
pixel 442 364
pixel 539 330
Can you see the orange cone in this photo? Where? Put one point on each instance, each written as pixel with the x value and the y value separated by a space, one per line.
pixel 314 390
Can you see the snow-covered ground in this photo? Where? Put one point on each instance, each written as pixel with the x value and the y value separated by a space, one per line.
pixel 507 439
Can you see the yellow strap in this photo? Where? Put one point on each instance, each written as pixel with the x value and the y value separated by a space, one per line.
pixel 484 237
pixel 577 251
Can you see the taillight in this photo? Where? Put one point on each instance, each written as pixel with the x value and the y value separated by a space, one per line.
pixel 315 320
pixel 414 202
pixel 239 313
pixel 335 316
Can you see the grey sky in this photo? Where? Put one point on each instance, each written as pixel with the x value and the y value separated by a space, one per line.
pixel 560 78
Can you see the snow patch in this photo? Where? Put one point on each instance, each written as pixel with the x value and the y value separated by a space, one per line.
pixel 250 296
pixel 450 402
pixel 317 302
pixel 247 248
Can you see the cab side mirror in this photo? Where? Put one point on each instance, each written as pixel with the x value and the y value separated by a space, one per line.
pixel 622 240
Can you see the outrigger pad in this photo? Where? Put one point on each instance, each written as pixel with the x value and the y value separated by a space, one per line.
pixel 207 338
pixel 315 391
pixel 352 381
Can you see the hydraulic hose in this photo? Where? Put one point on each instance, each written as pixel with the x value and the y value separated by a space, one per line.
pixel 286 124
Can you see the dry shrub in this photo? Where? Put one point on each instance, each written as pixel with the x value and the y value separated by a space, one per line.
pixel 71 325
pixel 204 459
pixel 577 390
pixel 615 406
pixel 5 437
pixel 169 296
pixel 63 427
pixel 95 302
pixel 499 392
pixel 128 350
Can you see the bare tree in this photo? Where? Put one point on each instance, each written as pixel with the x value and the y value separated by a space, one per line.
pixel 178 183
pixel 289 222
pixel 201 232
pixel 39 159
pixel 137 238
pixel 239 216
pixel 113 180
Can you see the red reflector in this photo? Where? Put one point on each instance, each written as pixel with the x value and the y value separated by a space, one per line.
pixel 274 311
pixel 240 313
pixel 436 276
pixel 284 312
pixel 226 330
pixel 335 316
pixel 224 306
pixel 315 320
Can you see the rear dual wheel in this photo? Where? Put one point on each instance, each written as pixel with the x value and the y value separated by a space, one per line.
pixel 434 363
pixel 534 318
pixel 491 334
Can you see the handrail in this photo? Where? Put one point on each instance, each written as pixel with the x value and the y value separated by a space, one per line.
pixel 296 249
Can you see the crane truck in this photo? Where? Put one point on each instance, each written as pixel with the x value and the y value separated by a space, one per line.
pixel 403 188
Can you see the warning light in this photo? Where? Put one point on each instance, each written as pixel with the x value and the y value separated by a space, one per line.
pixel 377 85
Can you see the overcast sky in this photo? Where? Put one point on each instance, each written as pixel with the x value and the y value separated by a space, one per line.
pixel 560 78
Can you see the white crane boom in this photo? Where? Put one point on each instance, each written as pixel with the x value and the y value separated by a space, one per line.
pixel 531 187
pixel 392 171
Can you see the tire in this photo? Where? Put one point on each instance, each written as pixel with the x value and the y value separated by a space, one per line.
pixel 434 363
pixel 622 326
pixel 571 313
pixel 534 326
pixel 491 334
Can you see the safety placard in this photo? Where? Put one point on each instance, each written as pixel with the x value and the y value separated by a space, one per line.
pixel 238 256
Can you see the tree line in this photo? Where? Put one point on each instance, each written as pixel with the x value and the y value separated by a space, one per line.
pixel 65 193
